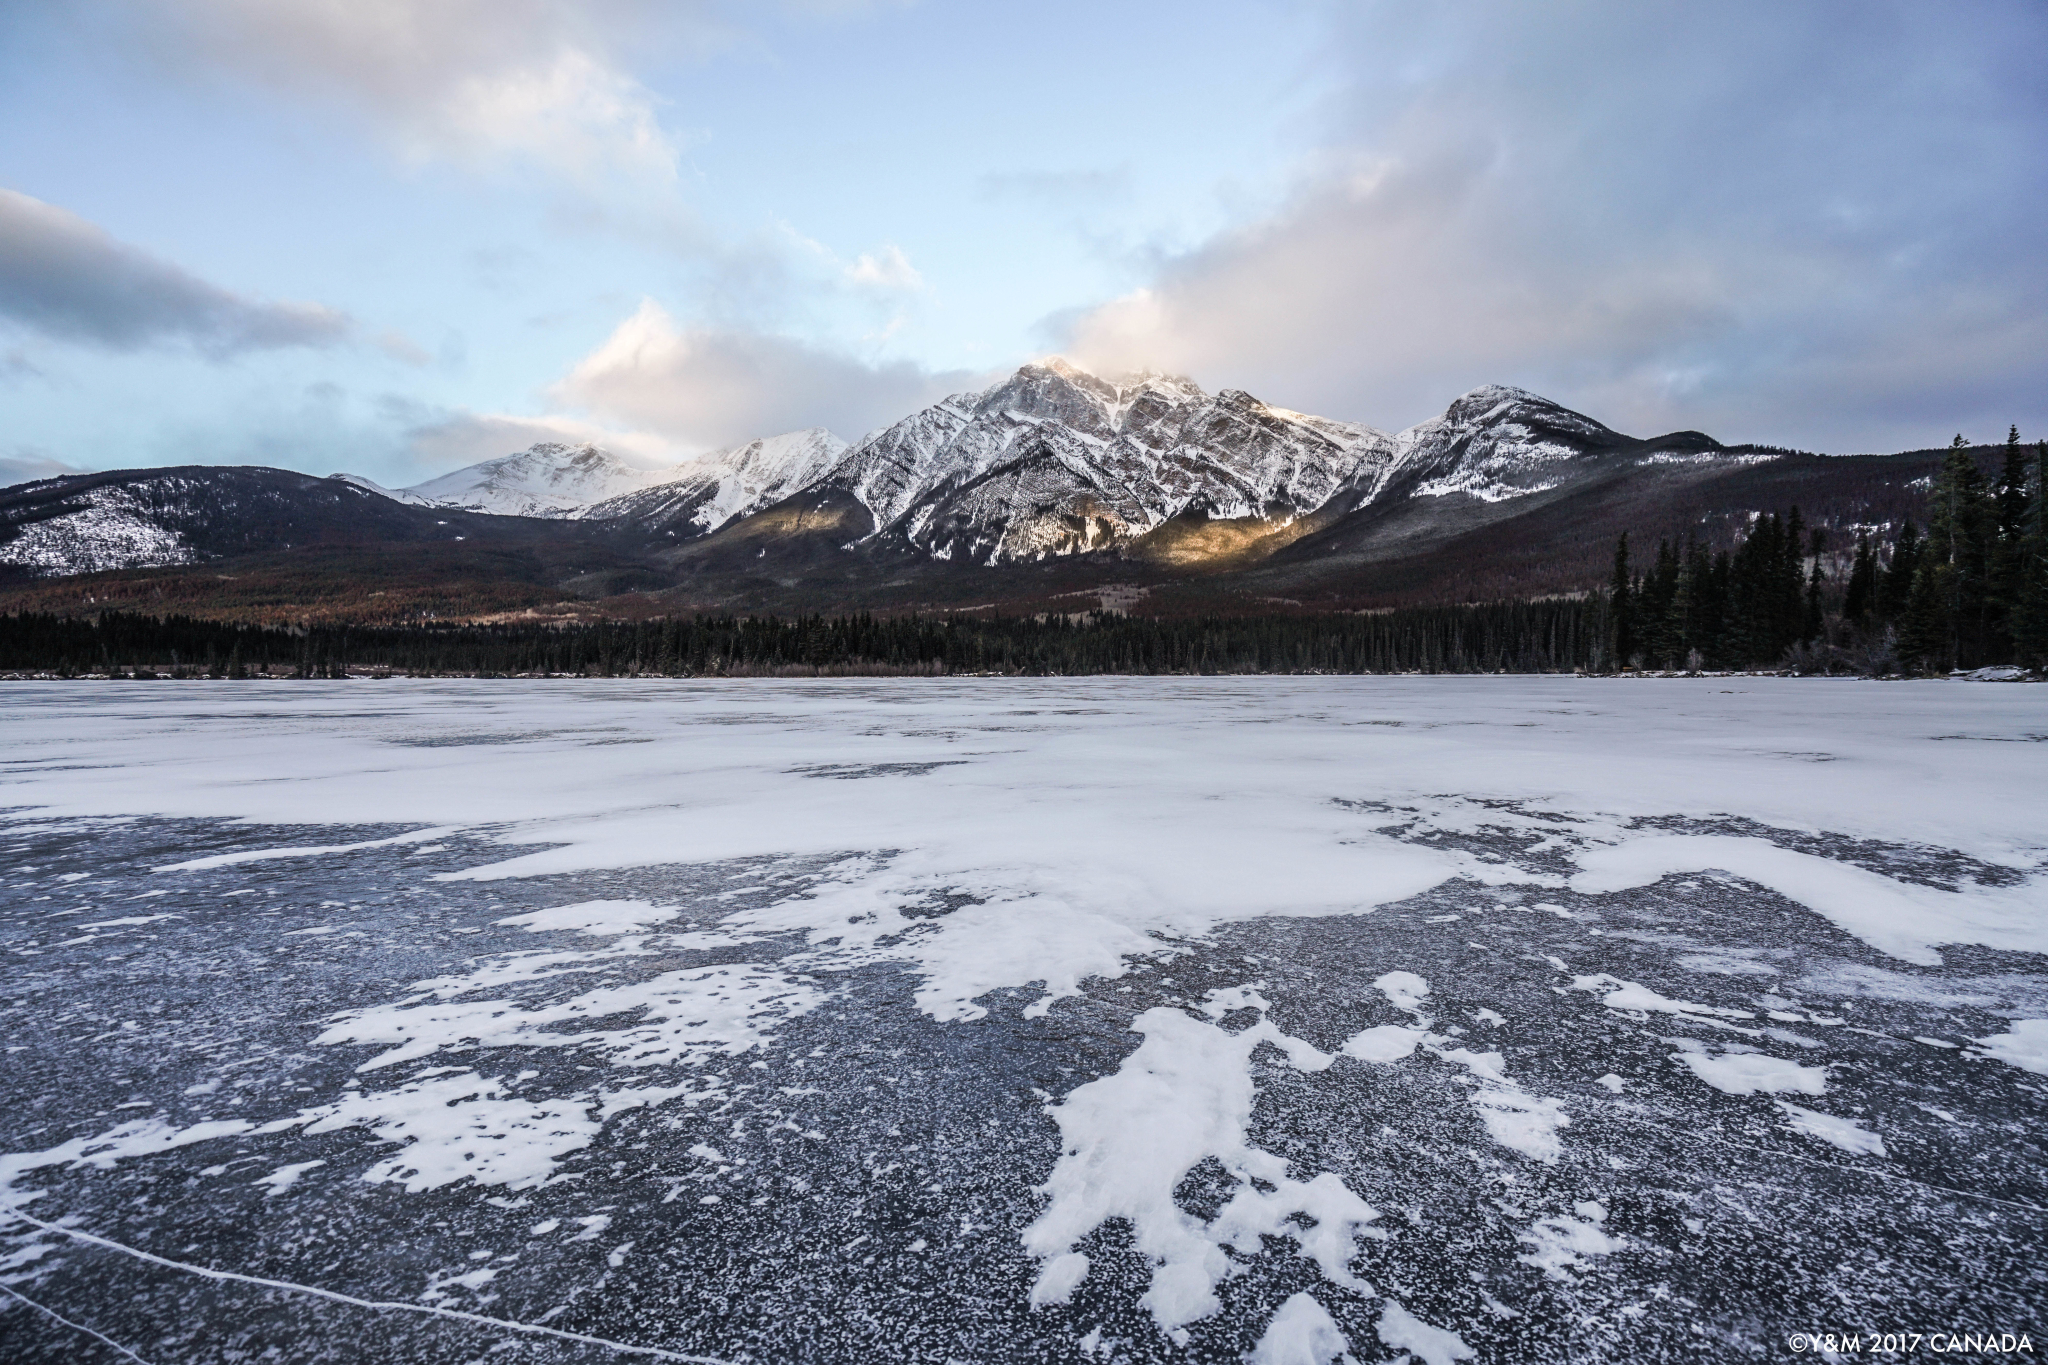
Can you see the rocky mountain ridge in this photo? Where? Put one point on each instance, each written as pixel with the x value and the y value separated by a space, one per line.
pixel 1051 484
pixel 1053 460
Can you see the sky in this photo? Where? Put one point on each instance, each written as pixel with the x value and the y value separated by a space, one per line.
pixel 394 238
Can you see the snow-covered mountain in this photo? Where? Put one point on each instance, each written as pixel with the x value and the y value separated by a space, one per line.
pixel 1054 460
pixel 701 495
pixel 1496 443
pixel 112 526
pixel 190 514
pixel 1051 461
pixel 547 479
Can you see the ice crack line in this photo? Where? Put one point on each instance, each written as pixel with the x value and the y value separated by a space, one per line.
pixel 74 1326
pixel 380 1305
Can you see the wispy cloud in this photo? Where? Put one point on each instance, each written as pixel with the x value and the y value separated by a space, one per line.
pixel 65 278
pixel 26 465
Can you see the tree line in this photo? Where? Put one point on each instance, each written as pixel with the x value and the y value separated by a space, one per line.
pixel 1559 635
pixel 1969 591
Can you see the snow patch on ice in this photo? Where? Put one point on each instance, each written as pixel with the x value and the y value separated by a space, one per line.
pixel 1747 1072
pixel 2024 1045
pixel 1561 1246
pixel 1301 1333
pixel 1405 991
pixel 684 1018
pixel 284 1177
pixel 1384 1043
pixel 1401 1330
pixel 1513 1117
pixel 1846 1134
pixel 1617 994
pixel 138 1137
pixel 455 1128
pixel 1127 1141
pixel 592 917
pixel 266 854
pixel 1901 920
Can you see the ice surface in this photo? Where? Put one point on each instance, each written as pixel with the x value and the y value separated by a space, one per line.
pixel 954 887
pixel 1093 836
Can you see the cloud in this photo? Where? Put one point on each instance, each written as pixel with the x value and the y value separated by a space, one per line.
pixel 1813 223
pixel 705 387
pixel 887 269
pixel 451 440
pixel 402 348
pixel 468 80
pixel 67 279
pixel 27 465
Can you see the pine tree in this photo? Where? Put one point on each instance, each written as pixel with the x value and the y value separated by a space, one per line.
pixel 1790 587
pixel 1961 528
pixel 1897 585
pixel 2030 625
pixel 2008 559
pixel 1659 624
pixel 1926 631
pixel 1860 597
pixel 1621 607
pixel 1811 627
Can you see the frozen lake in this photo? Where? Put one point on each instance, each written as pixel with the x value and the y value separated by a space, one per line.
pixel 1493 1019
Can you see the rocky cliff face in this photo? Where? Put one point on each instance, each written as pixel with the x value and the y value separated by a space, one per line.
pixel 1054 460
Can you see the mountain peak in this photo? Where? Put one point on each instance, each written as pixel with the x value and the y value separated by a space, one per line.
pixel 547 479
pixel 1061 366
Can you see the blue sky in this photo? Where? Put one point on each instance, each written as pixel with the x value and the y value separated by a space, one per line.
pixel 397 237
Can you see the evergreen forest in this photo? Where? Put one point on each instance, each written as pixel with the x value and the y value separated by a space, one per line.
pixel 1968 591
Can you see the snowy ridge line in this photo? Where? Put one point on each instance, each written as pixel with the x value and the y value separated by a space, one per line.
pixel 74 1326
pixel 1839 1165
pixel 382 1305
